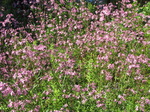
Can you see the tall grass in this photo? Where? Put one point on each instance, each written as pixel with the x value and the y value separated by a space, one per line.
pixel 76 57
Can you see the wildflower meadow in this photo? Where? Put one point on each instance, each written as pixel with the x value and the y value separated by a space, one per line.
pixel 68 56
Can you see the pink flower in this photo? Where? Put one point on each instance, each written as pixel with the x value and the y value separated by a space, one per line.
pixel 2 85
pixel 66 105
pixel 10 103
pixel 79 42
pixel 49 25
pixel 8 91
pixel 134 66
pixel 40 47
pixel 37 108
pixel 62 1
pixel 97 102
pixel 76 88
pixel 147 101
pixel 136 108
pixel 84 101
pixel 143 81
pixel 106 11
pixel 85 89
pixel 108 77
pixel 67 96
pixel 121 97
pixel 52 1
pixel 110 66
pixel 37 1
pixel 105 58
pixel 125 1
pixel 46 77
pixel 129 6
pixel 134 92
pixel 100 105
pixel 119 102
pixel 140 77
pixel 101 18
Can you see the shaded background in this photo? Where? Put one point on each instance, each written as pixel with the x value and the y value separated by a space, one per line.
pixel 21 9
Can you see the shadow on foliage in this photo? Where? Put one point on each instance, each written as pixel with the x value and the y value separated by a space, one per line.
pixel 20 10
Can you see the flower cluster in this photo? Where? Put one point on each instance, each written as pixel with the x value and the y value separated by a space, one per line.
pixel 75 57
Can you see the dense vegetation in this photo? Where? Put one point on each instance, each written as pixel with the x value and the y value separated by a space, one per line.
pixel 75 57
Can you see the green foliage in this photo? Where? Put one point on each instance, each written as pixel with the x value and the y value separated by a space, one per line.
pixel 88 67
pixel 145 9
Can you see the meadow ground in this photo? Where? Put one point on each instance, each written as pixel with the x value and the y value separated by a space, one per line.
pixel 76 57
